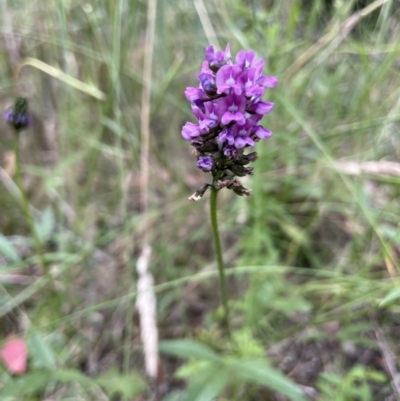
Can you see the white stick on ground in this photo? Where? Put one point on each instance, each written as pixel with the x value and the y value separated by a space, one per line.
pixel 146 307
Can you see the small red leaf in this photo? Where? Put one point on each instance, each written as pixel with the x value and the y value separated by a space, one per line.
pixel 14 354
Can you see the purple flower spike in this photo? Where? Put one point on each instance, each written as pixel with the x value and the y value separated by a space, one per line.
pixel 205 163
pixel 228 106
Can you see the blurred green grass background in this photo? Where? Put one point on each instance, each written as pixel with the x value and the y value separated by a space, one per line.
pixel 312 253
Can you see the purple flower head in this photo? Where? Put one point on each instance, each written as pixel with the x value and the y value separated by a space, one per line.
pixel 18 116
pixel 228 106
pixel 205 163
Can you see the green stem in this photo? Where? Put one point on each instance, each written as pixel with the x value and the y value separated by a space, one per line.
pixel 25 205
pixel 218 250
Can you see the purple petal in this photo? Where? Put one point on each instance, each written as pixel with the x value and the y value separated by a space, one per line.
pixel 227 53
pixel 261 107
pixel 245 59
pixel 193 94
pixel 227 77
pixel 190 131
pixel 262 133
pixel 229 117
pixel 210 55
pixel 267 81
pixel 242 141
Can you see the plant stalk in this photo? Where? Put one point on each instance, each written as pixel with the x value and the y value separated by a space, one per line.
pixel 25 205
pixel 218 250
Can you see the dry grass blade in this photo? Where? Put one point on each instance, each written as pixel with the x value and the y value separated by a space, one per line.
pixel 382 168
pixel 146 99
pixel 389 360
pixel 206 23
pixel 146 307
pixel 336 34
pixel 62 76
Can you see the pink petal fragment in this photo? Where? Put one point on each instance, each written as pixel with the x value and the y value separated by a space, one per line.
pixel 14 355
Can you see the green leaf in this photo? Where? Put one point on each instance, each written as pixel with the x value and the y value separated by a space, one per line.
pixel 188 349
pixel 176 395
pixel 45 225
pixel 41 353
pixel 392 296
pixel 127 385
pixel 7 249
pixel 260 372
pixel 208 383
pixel 29 383
pixel 74 376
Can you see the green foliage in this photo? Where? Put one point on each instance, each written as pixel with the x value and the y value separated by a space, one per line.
pixel 45 225
pixel 128 385
pixel 210 376
pixel 7 249
pixel 353 387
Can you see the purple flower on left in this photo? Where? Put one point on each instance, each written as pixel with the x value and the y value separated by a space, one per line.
pixel 18 116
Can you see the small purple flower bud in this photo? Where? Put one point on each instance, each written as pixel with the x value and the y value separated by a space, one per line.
pixel 246 159
pixel 208 84
pixel 230 151
pixel 241 171
pixel 18 116
pixel 205 163
pixel 251 157
pixel 217 59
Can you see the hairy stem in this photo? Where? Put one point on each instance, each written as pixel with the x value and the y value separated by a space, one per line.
pixel 218 250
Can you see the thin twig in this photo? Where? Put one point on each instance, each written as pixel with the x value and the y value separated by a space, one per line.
pixel 389 360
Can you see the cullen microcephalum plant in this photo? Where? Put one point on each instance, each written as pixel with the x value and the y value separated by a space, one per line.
pixel 229 107
pixel 19 119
